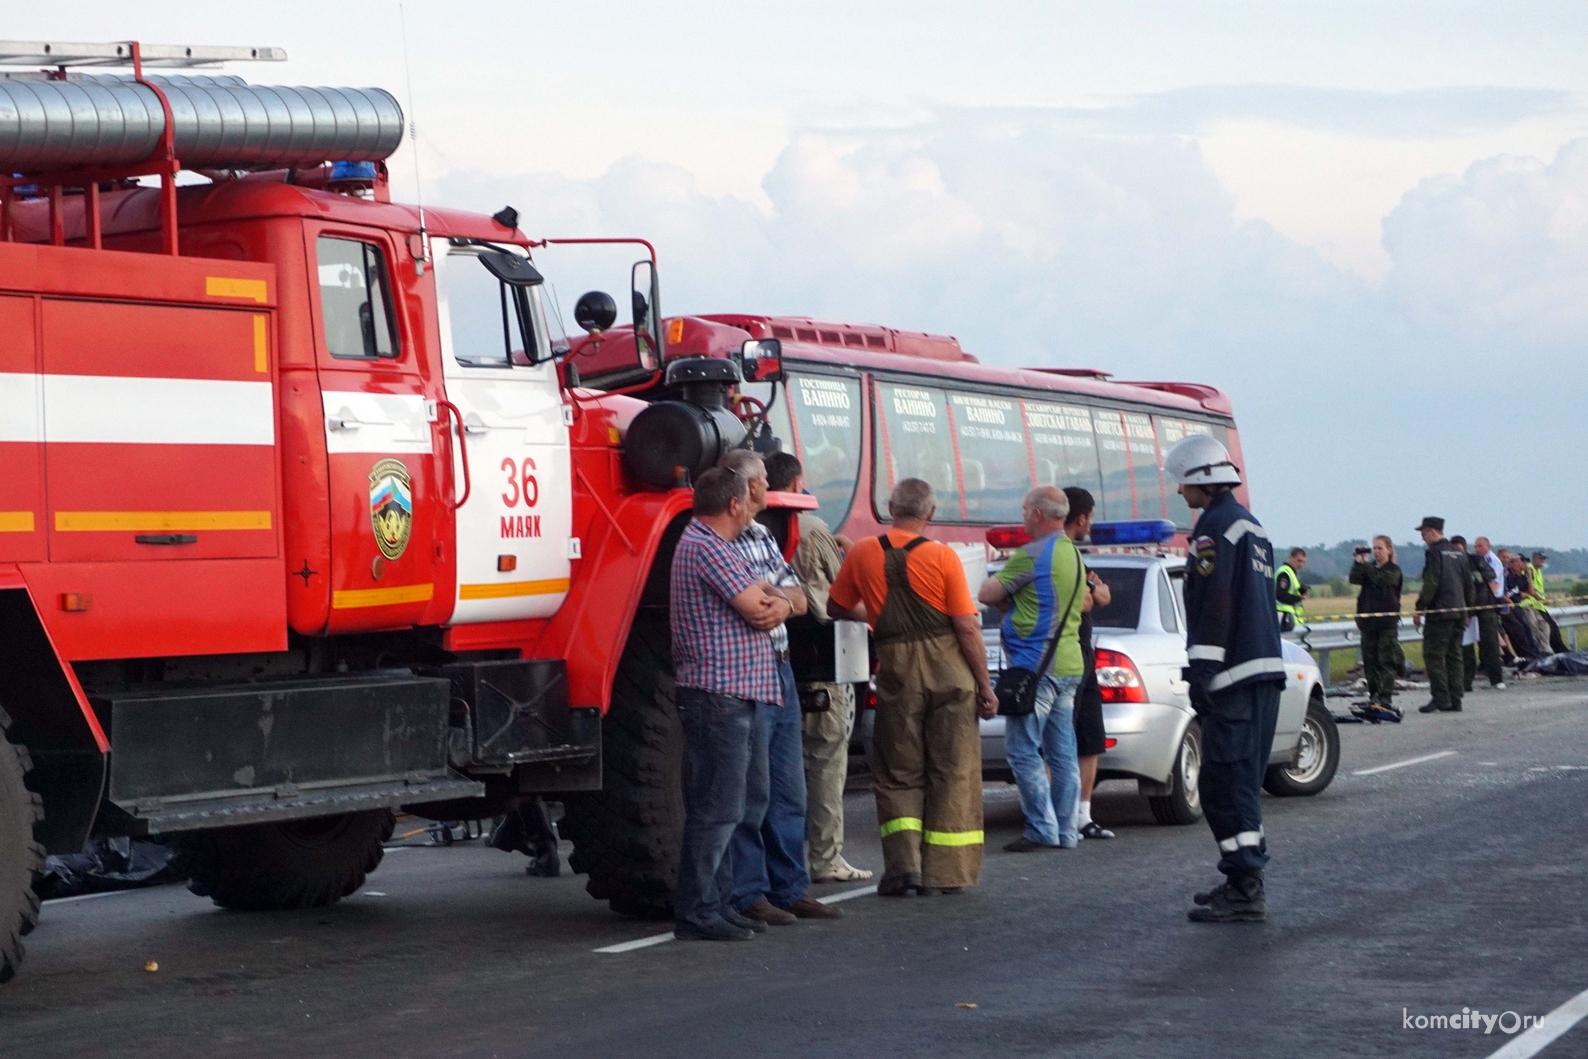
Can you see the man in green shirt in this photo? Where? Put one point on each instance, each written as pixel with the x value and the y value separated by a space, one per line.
pixel 1042 591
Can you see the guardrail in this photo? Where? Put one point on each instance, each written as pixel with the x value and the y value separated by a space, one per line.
pixel 1325 638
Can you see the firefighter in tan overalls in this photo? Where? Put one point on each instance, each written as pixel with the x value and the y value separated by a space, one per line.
pixel 931 683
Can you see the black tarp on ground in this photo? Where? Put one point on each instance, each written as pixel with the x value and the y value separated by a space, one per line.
pixel 110 864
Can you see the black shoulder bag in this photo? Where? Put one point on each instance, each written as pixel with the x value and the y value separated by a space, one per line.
pixel 1016 689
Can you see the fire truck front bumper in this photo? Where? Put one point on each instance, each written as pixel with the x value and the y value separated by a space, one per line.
pixel 212 757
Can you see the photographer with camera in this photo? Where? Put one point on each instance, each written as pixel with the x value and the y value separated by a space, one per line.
pixel 1375 570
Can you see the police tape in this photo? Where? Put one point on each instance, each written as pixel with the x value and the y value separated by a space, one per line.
pixel 1441 610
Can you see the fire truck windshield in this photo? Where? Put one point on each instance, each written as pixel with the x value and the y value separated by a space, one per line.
pixel 493 324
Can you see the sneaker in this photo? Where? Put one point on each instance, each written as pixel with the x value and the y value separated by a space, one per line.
pixel 1500 686
pixel 1238 900
pixel 767 913
pixel 744 922
pixel 1093 829
pixel 1025 845
pixel 721 930
pixel 808 907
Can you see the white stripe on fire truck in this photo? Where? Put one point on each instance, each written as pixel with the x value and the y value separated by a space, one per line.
pixel 360 422
pixel 106 409
pixel 20 407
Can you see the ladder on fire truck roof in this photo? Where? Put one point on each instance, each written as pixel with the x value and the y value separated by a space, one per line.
pixel 165 56
pixel 162 162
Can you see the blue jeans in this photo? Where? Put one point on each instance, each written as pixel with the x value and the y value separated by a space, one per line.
pixel 718 734
pixel 1044 741
pixel 769 843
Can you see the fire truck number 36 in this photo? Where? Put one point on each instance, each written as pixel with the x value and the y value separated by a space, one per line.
pixel 521 481
pixel 521 486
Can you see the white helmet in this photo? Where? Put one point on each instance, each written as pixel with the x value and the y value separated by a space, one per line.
pixel 1198 459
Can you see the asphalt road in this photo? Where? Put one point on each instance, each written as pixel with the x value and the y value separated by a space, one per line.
pixel 1455 882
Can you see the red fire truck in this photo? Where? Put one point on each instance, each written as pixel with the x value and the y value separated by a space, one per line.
pixel 304 519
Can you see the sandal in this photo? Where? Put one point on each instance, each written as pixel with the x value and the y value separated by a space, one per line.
pixel 845 872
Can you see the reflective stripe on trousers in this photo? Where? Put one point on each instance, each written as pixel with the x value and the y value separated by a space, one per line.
pixel 1245 838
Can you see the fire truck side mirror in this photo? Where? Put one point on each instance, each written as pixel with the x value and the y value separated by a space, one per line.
pixel 645 303
pixel 761 360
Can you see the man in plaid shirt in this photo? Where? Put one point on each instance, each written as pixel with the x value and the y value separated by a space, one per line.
pixel 727 675
pixel 770 877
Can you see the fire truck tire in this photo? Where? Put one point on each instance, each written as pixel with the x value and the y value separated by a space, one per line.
pixel 627 835
pixel 294 864
pixel 21 858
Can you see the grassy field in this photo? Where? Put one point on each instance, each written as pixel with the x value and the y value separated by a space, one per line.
pixel 1339 608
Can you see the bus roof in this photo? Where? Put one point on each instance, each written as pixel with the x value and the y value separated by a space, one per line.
pixel 872 347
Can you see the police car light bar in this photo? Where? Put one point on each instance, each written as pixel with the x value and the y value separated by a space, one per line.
pixel 1145 531
pixel 1004 537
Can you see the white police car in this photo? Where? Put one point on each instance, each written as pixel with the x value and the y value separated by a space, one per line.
pixel 1153 737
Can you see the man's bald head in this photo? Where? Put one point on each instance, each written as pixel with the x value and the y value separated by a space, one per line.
pixel 1044 510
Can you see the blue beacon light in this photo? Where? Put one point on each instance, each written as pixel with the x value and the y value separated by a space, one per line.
pixel 1145 531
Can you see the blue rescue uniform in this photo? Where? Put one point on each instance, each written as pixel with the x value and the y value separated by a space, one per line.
pixel 1236 673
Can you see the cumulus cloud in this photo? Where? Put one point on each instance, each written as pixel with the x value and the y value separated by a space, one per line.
pixel 1502 248
pixel 1038 243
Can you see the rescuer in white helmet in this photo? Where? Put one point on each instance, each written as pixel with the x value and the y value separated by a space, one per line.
pixel 1236 671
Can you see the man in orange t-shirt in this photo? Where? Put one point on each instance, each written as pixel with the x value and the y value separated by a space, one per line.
pixel 931 683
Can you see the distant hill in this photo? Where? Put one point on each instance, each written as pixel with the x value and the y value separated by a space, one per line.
pixel 1326 561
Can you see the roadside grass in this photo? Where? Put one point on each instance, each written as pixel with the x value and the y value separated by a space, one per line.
pixel 1339 608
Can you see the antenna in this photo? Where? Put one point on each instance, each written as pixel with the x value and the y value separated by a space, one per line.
pixel 413 138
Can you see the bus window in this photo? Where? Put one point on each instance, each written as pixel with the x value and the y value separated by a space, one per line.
pixel 1063 448
pixel 1114 460
pixel 826 432
pixel 1169 432
pixel 1147 487
pixel 914 442
pixel 994 465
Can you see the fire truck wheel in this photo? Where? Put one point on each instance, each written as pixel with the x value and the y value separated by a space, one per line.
pixel 627 835
pixel 20 856
pixel 293 864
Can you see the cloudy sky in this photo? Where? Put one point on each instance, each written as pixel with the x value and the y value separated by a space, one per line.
pixel 1368 222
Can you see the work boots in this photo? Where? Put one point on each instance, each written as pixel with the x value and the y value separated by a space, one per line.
pixel 1239 899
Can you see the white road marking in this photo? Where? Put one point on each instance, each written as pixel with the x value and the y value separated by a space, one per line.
pixel 1539 1037
pixel 86 897
pixel 1403 764
pixel 658 939
pixel 833 899
pixel 638 943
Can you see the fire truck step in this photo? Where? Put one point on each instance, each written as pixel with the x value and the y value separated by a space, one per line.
pixel 234 811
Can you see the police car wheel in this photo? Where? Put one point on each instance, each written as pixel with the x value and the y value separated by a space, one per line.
pixel 1183 803
pixel 21 858
pixel 627 836
pixel 294 864
pixel 1317 756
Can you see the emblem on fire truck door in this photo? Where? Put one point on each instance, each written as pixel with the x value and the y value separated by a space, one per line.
pixel 391 506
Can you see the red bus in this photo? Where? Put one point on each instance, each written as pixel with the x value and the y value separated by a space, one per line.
pixel 864 406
